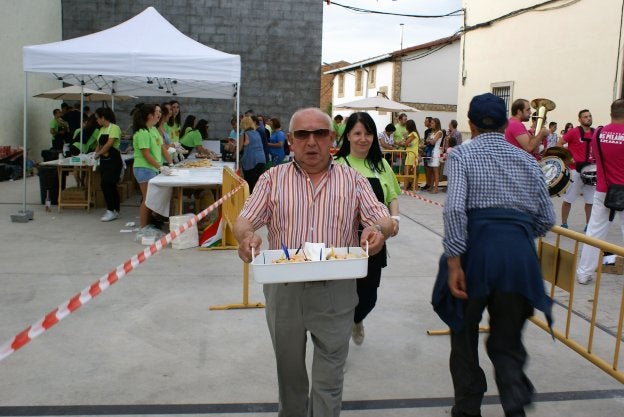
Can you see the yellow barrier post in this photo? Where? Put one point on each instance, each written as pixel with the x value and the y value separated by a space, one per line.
pixel 406 173
pixel 230 210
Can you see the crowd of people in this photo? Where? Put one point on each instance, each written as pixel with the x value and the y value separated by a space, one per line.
pixel 490 224
pixel 349 196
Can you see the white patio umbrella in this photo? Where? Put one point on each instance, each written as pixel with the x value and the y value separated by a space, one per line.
pixel 73 92
pixel 377 103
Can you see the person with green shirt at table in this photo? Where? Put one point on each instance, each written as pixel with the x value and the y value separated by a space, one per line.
pixel 107 151
pixel 194 138
pixel 360 150
pixel 90 134
pixel 58 129
pixel 149 154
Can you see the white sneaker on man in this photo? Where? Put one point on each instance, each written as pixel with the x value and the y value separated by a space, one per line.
pixel 109 215
pixel 357 334
pixel 584 280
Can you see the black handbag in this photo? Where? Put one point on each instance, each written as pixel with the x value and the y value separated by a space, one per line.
pixel 614 200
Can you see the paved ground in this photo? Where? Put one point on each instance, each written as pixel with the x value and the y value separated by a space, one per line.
pixel 150 346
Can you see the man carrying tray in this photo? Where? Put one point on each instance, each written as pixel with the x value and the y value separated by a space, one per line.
pixel 311 199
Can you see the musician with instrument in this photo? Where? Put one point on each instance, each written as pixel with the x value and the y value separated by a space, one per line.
pixel 518 135
pixel 582 168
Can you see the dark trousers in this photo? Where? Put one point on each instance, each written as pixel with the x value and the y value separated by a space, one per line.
pixel 110 170
pixel 508 313
pixel 367 293
pixel 252 175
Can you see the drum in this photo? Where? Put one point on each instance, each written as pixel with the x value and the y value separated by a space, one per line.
pixel 588 174
pixel 559 152
pixel 556 174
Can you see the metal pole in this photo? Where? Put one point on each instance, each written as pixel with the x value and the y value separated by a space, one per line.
pixel 24 138
pixel 23 215
pixel 81 116
pixel 237 123
pixel 402 26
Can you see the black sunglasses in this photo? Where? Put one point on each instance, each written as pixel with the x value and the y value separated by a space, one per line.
pixel 305 134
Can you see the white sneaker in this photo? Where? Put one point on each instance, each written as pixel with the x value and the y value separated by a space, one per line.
pixel 584 280
pixel 357 334
pixel 109 215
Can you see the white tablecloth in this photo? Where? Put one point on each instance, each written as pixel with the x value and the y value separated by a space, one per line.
pixel 159 188
pixel 81 160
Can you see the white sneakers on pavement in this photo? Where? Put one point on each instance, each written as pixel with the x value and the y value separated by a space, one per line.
pixel 584 280
pixel 357 334
pixel 109 215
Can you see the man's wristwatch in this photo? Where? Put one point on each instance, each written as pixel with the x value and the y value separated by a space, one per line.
pixel 397 218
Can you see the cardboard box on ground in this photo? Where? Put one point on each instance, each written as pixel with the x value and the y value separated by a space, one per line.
pixel 616 268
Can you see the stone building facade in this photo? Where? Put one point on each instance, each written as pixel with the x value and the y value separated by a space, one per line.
pixel 279 42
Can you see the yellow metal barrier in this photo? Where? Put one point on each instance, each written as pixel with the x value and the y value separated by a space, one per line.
pixel 406 173
pixel 559 269
pixel 230 209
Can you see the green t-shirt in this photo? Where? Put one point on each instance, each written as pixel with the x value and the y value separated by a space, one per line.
pixel 339 129
pixel 54 125
pixel 147 139
pixel 173 131
pixel 113 131
pixel 89 144
pixel 400 133
pixel 389 183
pixel 191 139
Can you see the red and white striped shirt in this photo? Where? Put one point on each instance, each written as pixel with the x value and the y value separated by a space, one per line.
pixel 295 211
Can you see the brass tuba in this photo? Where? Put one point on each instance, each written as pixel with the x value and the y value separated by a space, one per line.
pixel 542 105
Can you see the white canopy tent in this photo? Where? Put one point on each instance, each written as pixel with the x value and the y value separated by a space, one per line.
pixel 144 56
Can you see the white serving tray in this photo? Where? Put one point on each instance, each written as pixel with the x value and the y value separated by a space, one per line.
pixel 266 272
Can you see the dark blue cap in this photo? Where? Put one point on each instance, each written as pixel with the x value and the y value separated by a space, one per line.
pixel 487 111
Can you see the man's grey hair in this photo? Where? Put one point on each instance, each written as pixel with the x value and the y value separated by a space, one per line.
pixel 306 110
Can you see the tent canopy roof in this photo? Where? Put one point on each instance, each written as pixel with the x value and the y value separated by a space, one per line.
pixel 143 56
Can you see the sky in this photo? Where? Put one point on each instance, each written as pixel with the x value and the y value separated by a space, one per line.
pixel 353 36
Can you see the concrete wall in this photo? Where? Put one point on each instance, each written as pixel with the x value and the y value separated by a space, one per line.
pixel 279 42
pixel 419 71
pixel 568 54
pixel 27 22
pixel 429 83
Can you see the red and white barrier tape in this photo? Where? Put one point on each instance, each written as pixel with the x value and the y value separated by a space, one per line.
pixel 95 289
pixel 418 196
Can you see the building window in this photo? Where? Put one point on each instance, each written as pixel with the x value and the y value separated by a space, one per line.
pixel 358 83
pixel 340 85
pixel 504 91
pixel 372 73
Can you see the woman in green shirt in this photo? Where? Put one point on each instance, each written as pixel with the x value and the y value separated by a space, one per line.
pixel 193 139
pixel 149 153
pixel 107 150
pixel 360 150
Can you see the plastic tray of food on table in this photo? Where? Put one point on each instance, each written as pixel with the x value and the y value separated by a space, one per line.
pixel 309 264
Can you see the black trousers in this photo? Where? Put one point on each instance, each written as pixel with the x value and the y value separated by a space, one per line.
pixel 252 175
pixel 508 313
pixel 367 293
pixel 110 170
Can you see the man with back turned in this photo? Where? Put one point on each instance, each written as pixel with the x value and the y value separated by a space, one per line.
pixel 491 218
